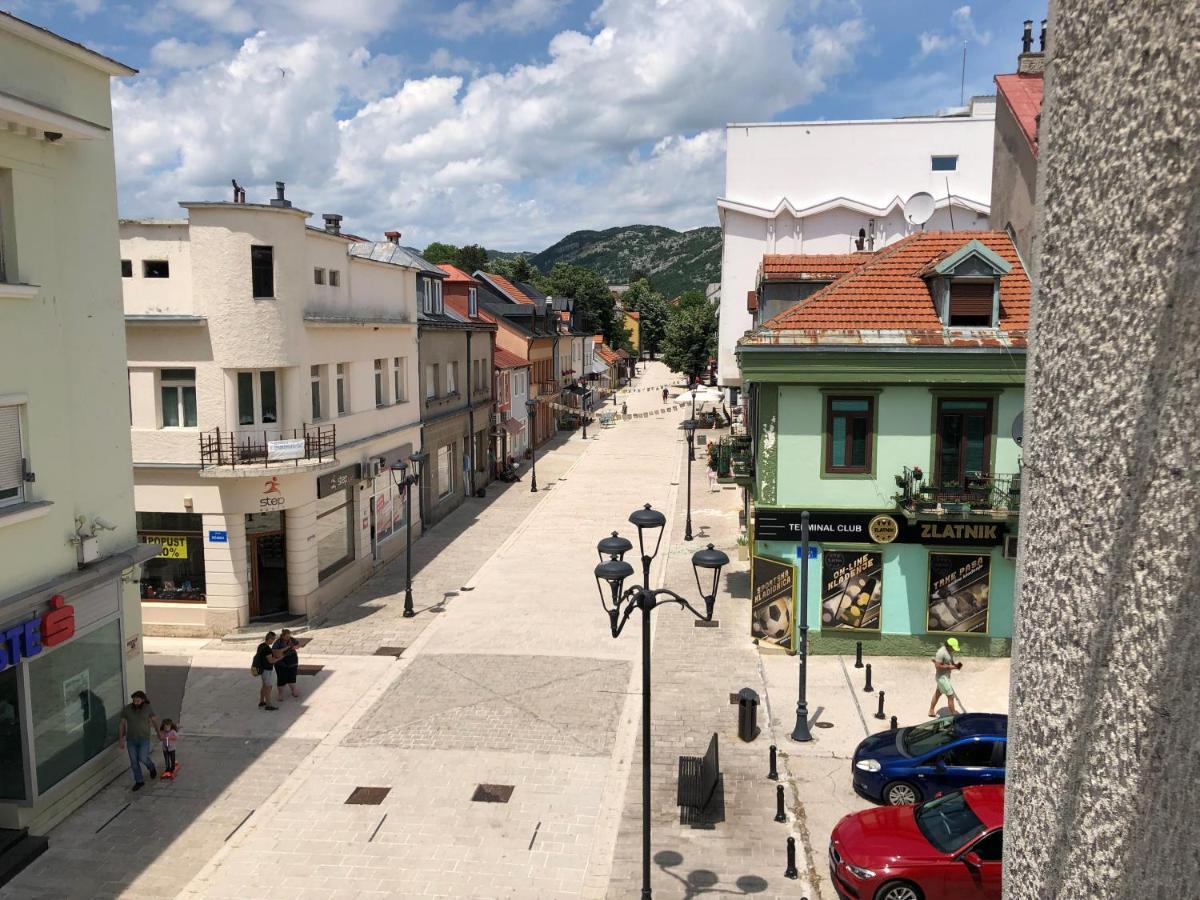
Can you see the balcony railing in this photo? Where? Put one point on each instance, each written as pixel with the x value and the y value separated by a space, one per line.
pixel 268 447
pixel 976 494
pixel 734 461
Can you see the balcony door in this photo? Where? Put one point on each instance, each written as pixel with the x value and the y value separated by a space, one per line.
pixel 964 441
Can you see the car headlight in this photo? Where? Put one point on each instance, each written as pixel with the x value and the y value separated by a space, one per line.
pixel 860 872
pixel 868 765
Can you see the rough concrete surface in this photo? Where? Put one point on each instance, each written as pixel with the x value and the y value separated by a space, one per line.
pixel 1102 787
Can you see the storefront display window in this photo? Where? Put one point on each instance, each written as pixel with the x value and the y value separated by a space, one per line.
pixel 959 592
pixel 335 532
pixel 12 747
pixel 76 694
pixel 177 574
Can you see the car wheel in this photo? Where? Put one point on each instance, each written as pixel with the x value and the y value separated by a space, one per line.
pixel 899 890
pixel 901 793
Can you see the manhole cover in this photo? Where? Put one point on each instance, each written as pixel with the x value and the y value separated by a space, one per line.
pixel 389 651
pixel 367 796
pixel 823 724
pixel 492 793
pixel 308 669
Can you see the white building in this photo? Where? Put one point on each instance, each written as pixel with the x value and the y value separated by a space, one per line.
pixel 272 383
pixel 69 614
pixel 822 187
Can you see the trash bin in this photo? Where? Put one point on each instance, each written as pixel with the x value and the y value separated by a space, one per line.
pixel 747 714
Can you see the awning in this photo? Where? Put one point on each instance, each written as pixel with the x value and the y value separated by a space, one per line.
pixel 513 427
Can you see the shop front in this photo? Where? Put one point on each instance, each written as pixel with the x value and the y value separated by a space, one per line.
pixel 899 586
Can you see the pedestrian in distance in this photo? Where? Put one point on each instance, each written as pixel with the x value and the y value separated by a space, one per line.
pixel 137 724
pixel 666 394
pixel 263 668
pixel 712 478
pixel 288 666
pixel 944 662
pixel 168 734
pixel 624 408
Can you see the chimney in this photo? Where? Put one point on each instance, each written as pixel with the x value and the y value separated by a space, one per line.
pixel 333 223
pixel 1031 62
pixel 279 200
pixel 393 237
pixel 239 192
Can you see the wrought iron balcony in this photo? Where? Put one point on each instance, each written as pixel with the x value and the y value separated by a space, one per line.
pixel 311 445
pixel 977 495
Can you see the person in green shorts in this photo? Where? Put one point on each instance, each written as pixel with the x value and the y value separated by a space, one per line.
pixel 944 663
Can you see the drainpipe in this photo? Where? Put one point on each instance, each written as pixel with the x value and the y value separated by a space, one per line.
pixel 471 419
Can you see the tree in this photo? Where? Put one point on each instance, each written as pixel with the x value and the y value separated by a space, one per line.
pixel 691 335
pixel 438 253
pixel 471 258
pixel 594 308
pixel 515 268
pixel 653 314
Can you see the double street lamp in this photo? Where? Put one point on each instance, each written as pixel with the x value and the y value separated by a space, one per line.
pixel 531 409
pixel 408 482
pixel 619 603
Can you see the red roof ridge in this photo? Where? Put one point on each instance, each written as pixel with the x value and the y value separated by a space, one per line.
pixel 514 293
pixel 456 274
pixel 506 359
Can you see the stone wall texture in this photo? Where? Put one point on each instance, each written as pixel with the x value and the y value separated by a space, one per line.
pixel 1103 788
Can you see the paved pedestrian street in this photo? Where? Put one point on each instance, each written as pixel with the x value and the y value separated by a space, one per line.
pixel 500 728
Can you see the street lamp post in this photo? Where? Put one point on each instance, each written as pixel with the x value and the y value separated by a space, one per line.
pixel 611 574
pixel 531 409
pixel 689 431
pixel 408 482
pixel 801 732
pixel 584 411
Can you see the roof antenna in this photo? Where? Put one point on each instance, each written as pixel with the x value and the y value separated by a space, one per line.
pixel 949 205
pixel 962 83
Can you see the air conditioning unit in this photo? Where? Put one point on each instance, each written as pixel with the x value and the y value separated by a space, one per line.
pixel 1010 546
pixel 375 466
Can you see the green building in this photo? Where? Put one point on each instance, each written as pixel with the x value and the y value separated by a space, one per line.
pixel 885 393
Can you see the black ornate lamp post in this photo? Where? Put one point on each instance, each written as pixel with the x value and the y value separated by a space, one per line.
pixel 689 431
pixel 693 403
pixel 531 409
pixel 583 409
pixel 801 732
pixel 408 482
pixel 611 575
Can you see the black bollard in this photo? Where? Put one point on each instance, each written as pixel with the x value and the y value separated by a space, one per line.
pixel 774 773
pixel 780 815
pixel 894 723
pixel 879 714
pixel 868 687
pixel 791 871
pixel 858 663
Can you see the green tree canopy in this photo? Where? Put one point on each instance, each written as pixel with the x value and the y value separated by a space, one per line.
pixel 653 314
pixel 594 308
pixel 516 268
pixel 438 253
pixel 691 335
pixel 472 258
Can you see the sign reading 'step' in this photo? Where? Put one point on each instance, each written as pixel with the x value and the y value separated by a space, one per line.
pixel 29 637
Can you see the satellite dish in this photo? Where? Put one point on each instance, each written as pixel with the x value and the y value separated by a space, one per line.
pixel 918 209
pixel 1018 428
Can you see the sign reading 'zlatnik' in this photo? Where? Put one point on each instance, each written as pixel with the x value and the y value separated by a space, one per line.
pixel 866 527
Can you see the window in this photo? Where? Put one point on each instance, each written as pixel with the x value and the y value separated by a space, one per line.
pixel 178 392
pixel 948 822
pixel 315 378
pixel 335 532
pixel 472 301
pixel 256 398
pixel 12 457
pixel 335 277
pixel 975 754
pixel 849 422
pixel 12 740
pixel 156 268
pixel 971 303
pixel 318 276
pixel 430 291
pixel 127 268
pixel 343 400
pixel 431 381
pixel 990 848
pixel 381 382
pixel 177 575
pixel 445 470
pixel 8 250
pixel 964 439
pixel 452 378
pixel 945 163
pixel 399 379
pixel 262 272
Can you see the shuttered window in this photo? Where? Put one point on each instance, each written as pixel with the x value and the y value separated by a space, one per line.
pixel 12 469
pixel 971 303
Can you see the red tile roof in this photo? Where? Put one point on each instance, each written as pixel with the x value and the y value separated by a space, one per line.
pixel 505 359
pixel 888 293
pixel 810 266
pixel 1023 94
pixel 460 306
pixel 510 290
pixel 456 275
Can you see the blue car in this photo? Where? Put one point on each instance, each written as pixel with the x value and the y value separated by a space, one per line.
pixel 913 765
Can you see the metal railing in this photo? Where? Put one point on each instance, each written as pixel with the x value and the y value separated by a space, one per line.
pixel 268 447
pixel 975 492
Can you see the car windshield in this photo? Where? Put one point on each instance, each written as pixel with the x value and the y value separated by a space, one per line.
pixel 948 822
pixel 921 739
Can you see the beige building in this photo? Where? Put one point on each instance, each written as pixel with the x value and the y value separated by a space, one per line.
pixel 272 385
pixel 69 613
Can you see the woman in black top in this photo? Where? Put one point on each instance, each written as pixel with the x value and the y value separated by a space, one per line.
pixel 264 661
pixel 289 663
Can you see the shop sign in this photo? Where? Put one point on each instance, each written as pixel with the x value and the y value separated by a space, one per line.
pixel 173 546
pixel 851 589
pixel 959 592
pixel 292 448
pixel 31 636
pixel 333 482
pixel 272 495
pixel 867 527
pixel 218 537
pixel 771 591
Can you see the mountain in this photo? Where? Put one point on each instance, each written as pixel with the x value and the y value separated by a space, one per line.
pixel 676 261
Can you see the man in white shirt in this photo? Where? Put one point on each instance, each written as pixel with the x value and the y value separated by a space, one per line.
pixel 943 664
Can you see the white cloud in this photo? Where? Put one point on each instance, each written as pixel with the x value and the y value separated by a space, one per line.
pixel 962 29
pixel 613 126
pixel 475 17
pixel 173 53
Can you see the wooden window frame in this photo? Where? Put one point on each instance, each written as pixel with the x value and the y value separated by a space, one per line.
pixel 988 412
pixel 828 468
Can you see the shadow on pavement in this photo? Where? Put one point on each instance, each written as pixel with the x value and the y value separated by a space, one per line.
pixel 699 882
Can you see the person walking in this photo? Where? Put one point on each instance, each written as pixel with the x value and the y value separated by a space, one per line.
pixel 712 477
pixel 134 730
pixel 264 667
pixel 624 408
pixel 944 662
pixel 666 394
pixel 168 734
pixel 288 666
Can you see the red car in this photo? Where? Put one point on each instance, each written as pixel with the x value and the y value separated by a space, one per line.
pixel 947 849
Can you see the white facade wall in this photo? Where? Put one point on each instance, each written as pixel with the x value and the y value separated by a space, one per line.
pixel 808 187
pixel 519 382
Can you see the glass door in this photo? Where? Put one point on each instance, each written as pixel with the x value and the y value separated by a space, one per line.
pixel 964 440
pixel 267 549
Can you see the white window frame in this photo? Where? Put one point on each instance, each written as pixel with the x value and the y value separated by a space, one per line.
pixel 446 486
pixel 432 371
pixel 15 413
pixel 177 384
pixel 316 400
pixel 342 390
pixel 452 378
pixel 472 301
pixel 400 379
pixel 937 156
pixel 381 383
pixel 256 382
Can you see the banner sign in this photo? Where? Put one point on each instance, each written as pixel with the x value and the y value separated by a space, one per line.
pixel 871 527
pixel 173 546
pixel 771 592
pixel 959 588
pixel 851 589
pixel 292 448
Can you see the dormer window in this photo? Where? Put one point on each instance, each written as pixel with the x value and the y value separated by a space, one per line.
pixel 472 302
pixel 430 290
pixel 971 303
pixel 966 286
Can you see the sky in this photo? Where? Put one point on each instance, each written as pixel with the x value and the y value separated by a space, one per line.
pixel 507 123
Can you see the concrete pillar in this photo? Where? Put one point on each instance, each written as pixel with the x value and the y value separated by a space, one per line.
pixel 226 574
pixel 1102 779
pixel 300 527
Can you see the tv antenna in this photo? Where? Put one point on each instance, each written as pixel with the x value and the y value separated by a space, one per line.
pixel 918 209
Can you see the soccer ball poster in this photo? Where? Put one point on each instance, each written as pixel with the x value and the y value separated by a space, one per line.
pixel 851 589
pixel 772 590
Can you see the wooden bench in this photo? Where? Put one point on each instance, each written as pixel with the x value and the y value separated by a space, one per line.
pixel 698 780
